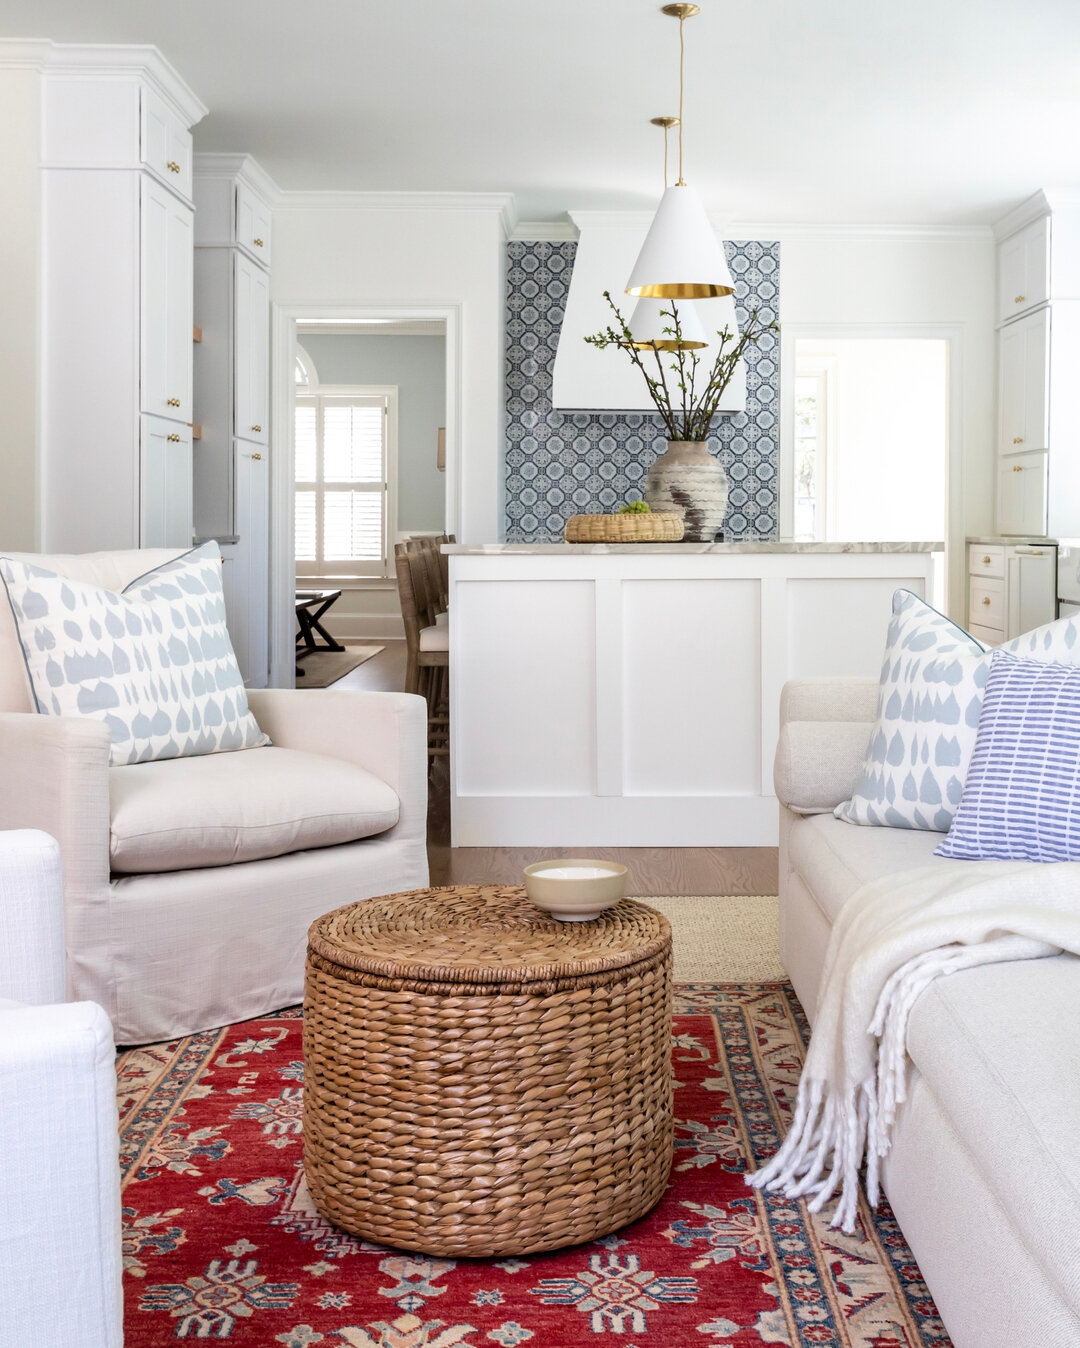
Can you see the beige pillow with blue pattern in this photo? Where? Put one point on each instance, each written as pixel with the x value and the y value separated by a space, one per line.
pixel 929 702
pixel 154 661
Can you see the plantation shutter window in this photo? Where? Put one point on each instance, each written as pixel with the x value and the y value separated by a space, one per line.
pixel 342 480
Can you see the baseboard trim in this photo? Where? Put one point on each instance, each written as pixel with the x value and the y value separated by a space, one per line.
pixel 366 627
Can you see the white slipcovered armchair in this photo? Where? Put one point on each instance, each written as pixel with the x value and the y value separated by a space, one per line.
pixel 190 883
pixel 59 1162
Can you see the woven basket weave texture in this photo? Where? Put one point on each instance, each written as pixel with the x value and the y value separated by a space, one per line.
pixel 481 1079
pixel 655 527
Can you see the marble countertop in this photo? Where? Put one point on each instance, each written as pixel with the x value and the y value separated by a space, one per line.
pixel 1011 541
pixel 769 546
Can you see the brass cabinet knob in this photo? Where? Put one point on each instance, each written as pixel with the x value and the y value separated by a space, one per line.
pixel 986 561
pixel 256 456
pixel 173 166
pixel 1019 299
pixel 1018 468
pixel 172 402
pixel 986 600
pixel 1018 439
pixel 257 242
pixel 256 428
pixel 173 439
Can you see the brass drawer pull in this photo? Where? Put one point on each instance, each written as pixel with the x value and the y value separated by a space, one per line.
pixel 1019 299
pixel 172 402
pixel 256 456
pixel 1018 468
pixel 173 439
pixel 986 600
pixel 257 428
pixel 173 166
pixel 257 242
pixel 986 561
pixel 1018 439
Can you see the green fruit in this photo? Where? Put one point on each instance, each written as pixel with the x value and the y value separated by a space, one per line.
pixel 634 508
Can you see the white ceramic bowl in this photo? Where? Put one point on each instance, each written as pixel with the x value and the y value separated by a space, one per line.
pixel 575 890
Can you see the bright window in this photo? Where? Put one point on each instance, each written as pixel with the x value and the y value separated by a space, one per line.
pixel 343 479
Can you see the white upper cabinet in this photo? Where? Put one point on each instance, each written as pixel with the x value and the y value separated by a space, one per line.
pixel 1022 487
pixel 167 303
pixel 165 143
pixel 252 225
pixel 252 363
pixel 1023 384
pixel 1024 270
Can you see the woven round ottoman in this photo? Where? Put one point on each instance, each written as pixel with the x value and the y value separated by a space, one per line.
pixel 480 1079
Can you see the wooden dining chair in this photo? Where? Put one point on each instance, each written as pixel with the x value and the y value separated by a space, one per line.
pixel 427 643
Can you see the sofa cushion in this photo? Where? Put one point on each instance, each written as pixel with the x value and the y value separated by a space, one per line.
pixel 834 859
pixel 180 813
pixel 997 1048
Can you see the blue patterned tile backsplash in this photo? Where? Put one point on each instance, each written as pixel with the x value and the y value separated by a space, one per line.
pixel 560 464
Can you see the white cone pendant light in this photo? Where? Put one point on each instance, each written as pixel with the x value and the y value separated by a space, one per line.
pixel 653 327
pixel 681 257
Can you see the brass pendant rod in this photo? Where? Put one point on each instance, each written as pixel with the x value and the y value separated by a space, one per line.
pixel 682 53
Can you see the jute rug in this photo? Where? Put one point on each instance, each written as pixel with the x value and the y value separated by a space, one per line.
pixel 322 668
pixel 221 1240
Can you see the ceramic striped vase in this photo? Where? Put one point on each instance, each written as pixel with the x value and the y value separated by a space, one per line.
pixel 687 480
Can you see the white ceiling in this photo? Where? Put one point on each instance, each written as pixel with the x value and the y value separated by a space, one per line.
pixel 936 111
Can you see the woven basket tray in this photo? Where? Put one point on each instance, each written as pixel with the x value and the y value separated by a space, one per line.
pixel 661 527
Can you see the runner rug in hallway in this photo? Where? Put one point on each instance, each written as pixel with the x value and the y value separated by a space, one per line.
pixel 221 1240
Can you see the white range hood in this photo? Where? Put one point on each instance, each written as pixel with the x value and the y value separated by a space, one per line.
pixel 585 379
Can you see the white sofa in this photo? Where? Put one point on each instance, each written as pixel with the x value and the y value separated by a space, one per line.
pixel 190 883
pixel 59 1145
pixel 984 1172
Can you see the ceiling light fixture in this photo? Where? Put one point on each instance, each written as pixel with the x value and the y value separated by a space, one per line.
pixel 653 321
pixel 681 257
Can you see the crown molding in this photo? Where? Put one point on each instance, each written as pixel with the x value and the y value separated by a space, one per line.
pixel 108 60
pixel 207 164
pixel 501 203
pixel 1048 201
pixel 771 230
pixel 545 231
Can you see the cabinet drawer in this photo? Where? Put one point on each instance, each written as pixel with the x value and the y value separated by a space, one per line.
pixel 252 225
pixel 989 636
pixel 165 144
pixel 986 602
pixel 986 559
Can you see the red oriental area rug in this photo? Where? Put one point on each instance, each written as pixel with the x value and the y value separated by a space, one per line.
pixel 221 1240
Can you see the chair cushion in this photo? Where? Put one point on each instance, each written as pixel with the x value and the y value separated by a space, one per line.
pixel 181 813
pixel 435 638
pixel 997 1048
pixel 834 860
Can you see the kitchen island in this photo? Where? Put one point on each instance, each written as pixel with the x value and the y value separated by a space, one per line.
pixel 628 694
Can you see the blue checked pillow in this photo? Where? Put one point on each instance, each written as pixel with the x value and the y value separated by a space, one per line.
pixel 1021 800
pixel 154 662
pixel 929 704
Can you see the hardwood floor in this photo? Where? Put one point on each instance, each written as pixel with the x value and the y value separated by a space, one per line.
pixel 653 870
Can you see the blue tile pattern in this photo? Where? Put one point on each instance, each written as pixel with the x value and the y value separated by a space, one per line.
pixel 560 464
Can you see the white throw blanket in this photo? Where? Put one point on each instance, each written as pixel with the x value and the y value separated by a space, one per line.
pixel 891 939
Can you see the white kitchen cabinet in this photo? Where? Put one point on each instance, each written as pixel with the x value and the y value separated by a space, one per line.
pixel 232 393
pixel 1021 595
pixel 252 365
pixel 165 143
pixel 116 304
pixel 167 270
pixel 1024 270
pixel 165 488
pixel 1023 384
pixel 1022 484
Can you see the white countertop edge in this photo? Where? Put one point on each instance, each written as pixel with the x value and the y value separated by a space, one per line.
pixel 682 549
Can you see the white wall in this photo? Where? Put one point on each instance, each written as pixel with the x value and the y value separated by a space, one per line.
pixel 20 154
pixel 341 254
pixel 913 280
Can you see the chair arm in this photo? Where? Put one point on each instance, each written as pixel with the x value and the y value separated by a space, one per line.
pixel 819 763
pixel 386 733
pixel 832 699
pixel 60 1199
pixel 31 918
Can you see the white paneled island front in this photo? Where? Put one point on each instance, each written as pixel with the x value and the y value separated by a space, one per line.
pixel 628 695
